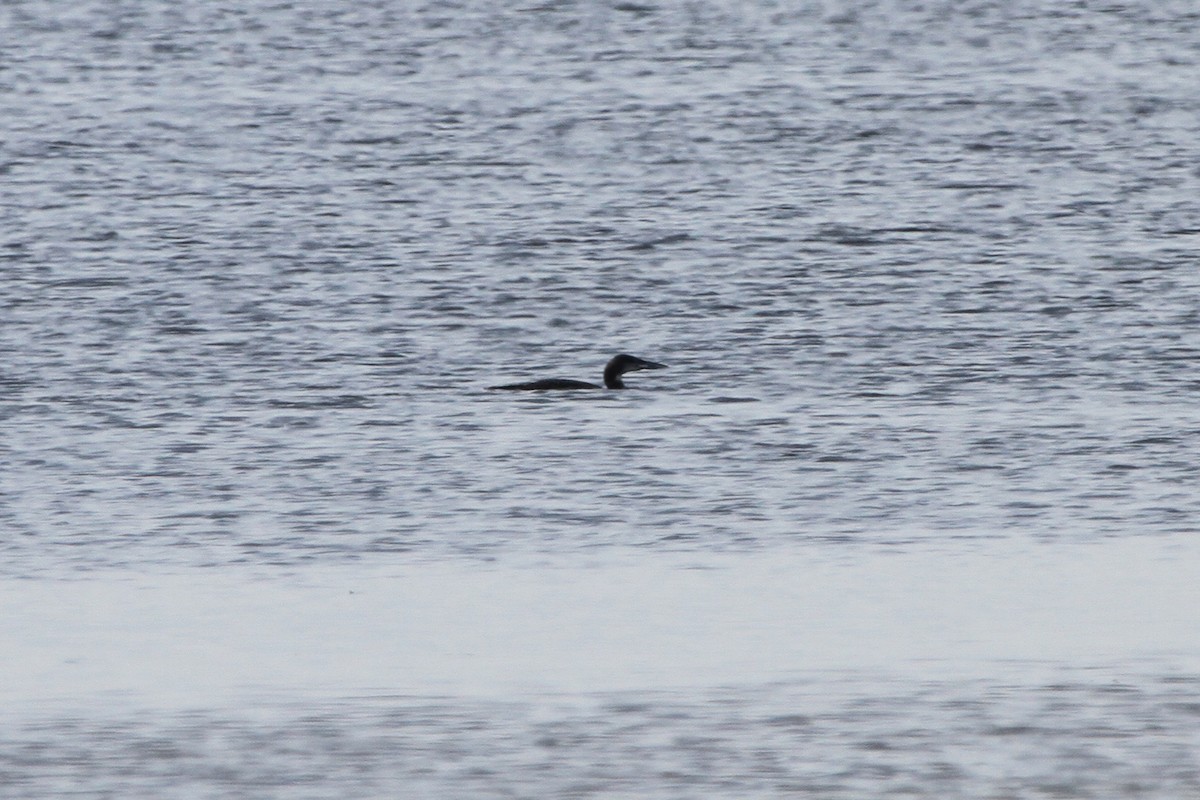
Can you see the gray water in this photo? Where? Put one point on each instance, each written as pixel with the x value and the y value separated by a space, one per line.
pixel 925 275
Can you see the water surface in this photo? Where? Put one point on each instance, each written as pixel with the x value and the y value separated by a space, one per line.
pixel 925 275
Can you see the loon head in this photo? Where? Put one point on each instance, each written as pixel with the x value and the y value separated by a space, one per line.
pixel 623 363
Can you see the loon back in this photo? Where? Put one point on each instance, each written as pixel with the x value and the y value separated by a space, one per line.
pixel 616 367
pixel 548 383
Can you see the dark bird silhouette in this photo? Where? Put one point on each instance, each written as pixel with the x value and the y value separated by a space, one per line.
pixel 613 371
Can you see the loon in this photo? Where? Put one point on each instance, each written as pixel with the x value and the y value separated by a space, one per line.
pixel 613 371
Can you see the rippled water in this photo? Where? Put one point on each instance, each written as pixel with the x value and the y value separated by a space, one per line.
pixel 925 275
pixel 1053 740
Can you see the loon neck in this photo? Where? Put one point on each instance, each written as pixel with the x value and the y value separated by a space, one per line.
pixel 612 377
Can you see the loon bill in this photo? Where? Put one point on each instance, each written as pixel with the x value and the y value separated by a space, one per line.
pixel 613 371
